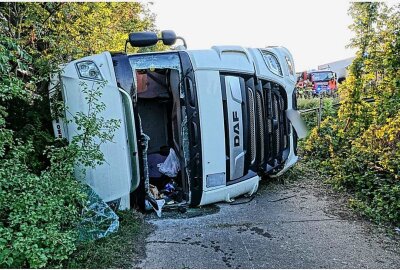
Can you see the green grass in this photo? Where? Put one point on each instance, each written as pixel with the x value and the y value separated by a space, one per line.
pixel 310 118
pixel 119 250
pixel 308 103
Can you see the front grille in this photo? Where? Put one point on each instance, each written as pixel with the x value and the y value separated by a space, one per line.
pixel 277 125
pixel 284 122
pixel 294 105
pixel 260 125
pixel 269 120
pixel 277 131
pixel 269 125
pixel 252 126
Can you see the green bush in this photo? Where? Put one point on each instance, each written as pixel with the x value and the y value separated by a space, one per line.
pixel 360 148
pixel 40 200
pixel 38 213
pixel 379 170
pixel 41 208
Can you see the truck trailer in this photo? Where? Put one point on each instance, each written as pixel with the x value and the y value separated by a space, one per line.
pixel 228 113
pixel 340 67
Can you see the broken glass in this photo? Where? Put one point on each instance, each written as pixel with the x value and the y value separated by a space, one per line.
pixel 185 146
pixel 153 61
pixel 98 219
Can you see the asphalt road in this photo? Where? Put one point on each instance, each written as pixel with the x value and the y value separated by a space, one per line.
pixel 285 226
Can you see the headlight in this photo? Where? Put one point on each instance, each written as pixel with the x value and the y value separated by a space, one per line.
pixel 215 180
pixel 88 70
pixel 290 65
pixel 272 62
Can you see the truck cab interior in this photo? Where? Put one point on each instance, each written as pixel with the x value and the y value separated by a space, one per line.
pixel 159 110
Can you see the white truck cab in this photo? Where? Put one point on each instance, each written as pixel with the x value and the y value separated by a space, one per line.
pixel 224 111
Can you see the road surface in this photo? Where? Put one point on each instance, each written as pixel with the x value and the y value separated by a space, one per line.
pixel 297 225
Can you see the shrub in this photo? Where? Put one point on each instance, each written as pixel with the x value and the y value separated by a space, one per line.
pixel 38 213
pixel 40 202
pixel 361 147
pixel 38 210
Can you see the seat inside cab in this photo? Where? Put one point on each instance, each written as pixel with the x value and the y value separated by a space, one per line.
pixel 158 105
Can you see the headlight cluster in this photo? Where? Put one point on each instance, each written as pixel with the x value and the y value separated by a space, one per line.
pixel 88 70
pixel 272 62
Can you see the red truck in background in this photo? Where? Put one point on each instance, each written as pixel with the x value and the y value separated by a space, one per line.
pixel 316 82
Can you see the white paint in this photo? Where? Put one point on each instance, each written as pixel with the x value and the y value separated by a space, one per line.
pixel 230 192
pixel 211 123
pixel 112 179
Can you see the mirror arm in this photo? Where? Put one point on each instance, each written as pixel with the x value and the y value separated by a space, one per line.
pixel 183 40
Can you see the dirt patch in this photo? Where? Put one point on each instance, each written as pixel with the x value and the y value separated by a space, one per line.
pixel 139 241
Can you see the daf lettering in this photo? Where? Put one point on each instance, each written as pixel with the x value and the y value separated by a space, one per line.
pixel 236 138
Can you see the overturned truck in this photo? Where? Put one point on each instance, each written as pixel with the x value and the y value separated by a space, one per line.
pixel 228 113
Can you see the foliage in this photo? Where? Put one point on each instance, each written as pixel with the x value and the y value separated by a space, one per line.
pixel 36 225
pixel 38 212
pixel 310 118
pixel 40 199
pixel 361 146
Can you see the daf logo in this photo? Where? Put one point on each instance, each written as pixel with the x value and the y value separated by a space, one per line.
pixel 236 130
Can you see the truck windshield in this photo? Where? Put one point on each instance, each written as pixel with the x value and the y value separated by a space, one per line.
pixel 156 61
pixel 151 61
pixel 322 76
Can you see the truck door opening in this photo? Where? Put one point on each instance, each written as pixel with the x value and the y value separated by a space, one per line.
pixel 159 110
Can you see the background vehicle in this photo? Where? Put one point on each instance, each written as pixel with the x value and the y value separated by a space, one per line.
pixel 229 113
pixel 318 82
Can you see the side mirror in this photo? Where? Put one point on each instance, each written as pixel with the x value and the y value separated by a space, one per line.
pixel 142 39
pixel 145 39
pixel 168 37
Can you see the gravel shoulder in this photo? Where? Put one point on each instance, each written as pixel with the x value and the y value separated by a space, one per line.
pixel 297 224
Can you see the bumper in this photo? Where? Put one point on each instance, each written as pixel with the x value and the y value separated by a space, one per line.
pixel 227 193
pixel 289 163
